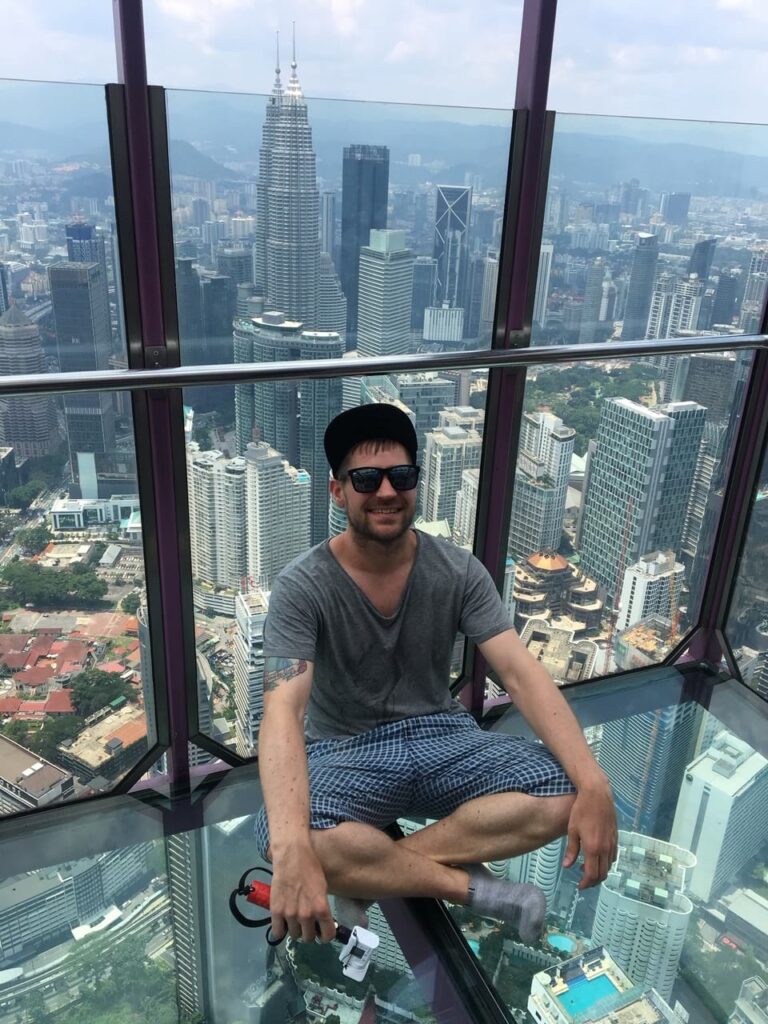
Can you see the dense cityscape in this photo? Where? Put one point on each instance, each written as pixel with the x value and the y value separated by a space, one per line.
pixel 618 486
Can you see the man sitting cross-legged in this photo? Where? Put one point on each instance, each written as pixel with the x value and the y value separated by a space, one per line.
pixel 359 638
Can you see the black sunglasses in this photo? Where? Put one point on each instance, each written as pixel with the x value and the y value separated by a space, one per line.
pixel 367 479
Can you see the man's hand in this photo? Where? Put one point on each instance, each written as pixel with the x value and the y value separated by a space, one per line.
pixel 299 898
pixel 592 829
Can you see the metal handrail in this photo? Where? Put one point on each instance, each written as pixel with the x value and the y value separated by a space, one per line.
pixel 475 359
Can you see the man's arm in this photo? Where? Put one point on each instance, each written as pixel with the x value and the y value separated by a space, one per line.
pixel 592 825
pixel 299 897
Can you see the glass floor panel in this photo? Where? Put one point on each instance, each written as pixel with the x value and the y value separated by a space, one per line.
pixel 117 910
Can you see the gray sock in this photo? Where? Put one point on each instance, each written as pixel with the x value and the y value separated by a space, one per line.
pixel 523 906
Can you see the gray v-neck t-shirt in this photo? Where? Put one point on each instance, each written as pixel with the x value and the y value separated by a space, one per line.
pixel 371 669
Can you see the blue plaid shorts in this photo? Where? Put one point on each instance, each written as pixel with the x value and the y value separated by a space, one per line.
pixel 426 766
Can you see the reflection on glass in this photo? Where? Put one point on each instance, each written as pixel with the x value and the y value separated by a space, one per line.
pixel 616 499
pixel 639 239
pixel 322 220
pixel 748 615
pixel 76 698
pixel 58 245
pixel 675 931
pixel 257 478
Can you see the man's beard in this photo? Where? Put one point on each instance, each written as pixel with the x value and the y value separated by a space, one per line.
pixel 360 527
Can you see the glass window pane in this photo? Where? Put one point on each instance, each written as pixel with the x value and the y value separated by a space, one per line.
pixel 375 228
pixel 748 615
pixel 677 919
pixel 616 498
pixel 59 261
pixel 257 479
pixel 646 232
pixel 76 696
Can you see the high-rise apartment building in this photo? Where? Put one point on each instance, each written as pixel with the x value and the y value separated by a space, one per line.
pixel 675 306
pixel 384 297
pixel 466 508
pixel 722 813
pixel 278 500
pixel 593 299
pixel 542 283
pixel 250 613
pixel 83 342
pixel 652 586
pixel 707 466
pixel 426 395
pixel 541 484
pixel 642 912
pixel 454 446
pixel 27 422
pixel 642 276
pixel 364 192
pixel 287 239
pixel 451 247
pixel 640 479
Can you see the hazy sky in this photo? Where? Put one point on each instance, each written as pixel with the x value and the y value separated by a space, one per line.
pixel 656 58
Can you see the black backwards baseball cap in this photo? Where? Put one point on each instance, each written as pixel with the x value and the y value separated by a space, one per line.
pixel 376 422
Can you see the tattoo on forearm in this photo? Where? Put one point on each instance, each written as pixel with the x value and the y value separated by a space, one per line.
pixel 280 670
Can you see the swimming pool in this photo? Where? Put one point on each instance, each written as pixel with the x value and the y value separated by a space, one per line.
pixel 561 942
pixel 583 993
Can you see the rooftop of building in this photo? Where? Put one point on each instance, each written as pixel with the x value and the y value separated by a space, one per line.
pixel 26 770
pixel 651 871
pixel 651 636
pixel 750 907
pixel 728 764
pixel 568 660
pixel 101 741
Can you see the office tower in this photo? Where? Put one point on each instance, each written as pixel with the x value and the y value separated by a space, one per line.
pixel 86 245
pixel 384 298
pixel 83 342
pixel 450 449
pixel 278 498
pixel 645 756
pixel 675 306
pixel 217 513
pixel 424 284
pixel 289 415
pixel 700 262
pixel 190 307
pixel 724 304
pixel 675 206
pixel 466 509
pixel 331 304
pixel 753 305
pixel 426 395
pixel 652 586
pixel 590 307
pixel 218 296
pixel 488 301
pixel 541 484
pixel 250 614
pixel 631 197
pixel 542 283
pixel 608 300
pixel 474 296
pixel 707 465
pixel 287 241
pixel 328 224
pixel 444 324
pixel 640 480
pixel 451 246
pixel 661 304
pixel 364 192
pixel 642 912
pixel 5 297
pixel 27 422
pixel 236 264
pixel 710 380
pixel 722 813
pixel 640 289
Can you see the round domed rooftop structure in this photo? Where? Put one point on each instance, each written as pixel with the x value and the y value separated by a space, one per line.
pixel 547 561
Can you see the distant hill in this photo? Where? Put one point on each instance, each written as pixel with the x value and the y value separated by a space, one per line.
pixel 21 140
pixel 190 162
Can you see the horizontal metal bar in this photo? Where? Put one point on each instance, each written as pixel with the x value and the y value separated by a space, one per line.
pixel 476 359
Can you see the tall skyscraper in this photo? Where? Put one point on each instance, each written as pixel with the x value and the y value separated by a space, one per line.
pixel 287 240
pixel 86 245
pixel 640 480
pixel 542 283
pixel 236 264
pixel 645 757
pixel 724 305
pixel 424 285
pixel 707 466
pixel 675 306
pixel 250 613
pixel 541 484
pixel 278 500
pixel 190 309
pixel 385 290
pixel 700 262
pixel 5 295
pixel 426 395
pixel 451 248
pixel 466 509
pixel 652 586
pixel 753 306
pixel 291 417
pixel 641 280
pixel 27 422
pixel 83 342
pixel 675 206
pixel 593 297
pixel 328 224
pixel 452 448
pixel 722 813
pixel 642 912
pixel 488 302
pixel 364 192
